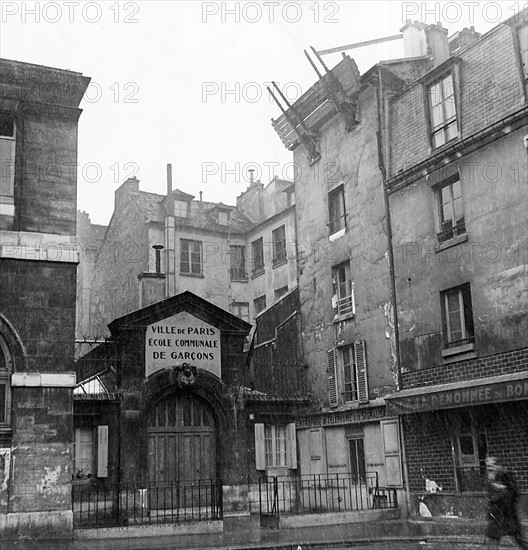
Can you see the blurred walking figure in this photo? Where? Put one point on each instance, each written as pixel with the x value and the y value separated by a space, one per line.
pixel 502 513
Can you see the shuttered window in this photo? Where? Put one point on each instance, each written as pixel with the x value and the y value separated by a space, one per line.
pixel 275 446
pixel 90 452
pixel 361 366
pixel 332 377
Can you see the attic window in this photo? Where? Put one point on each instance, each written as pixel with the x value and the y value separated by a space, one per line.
pixel 222 217
pixel 181 209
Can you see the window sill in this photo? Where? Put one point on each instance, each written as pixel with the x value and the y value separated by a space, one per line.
pixel 195 275
pixel 452 242
pixel 239 279
pixel 345 317
pixel 460 353
pixel 257 273
pixel 278 263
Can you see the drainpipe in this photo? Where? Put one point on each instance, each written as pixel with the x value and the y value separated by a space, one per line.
pixel 383 125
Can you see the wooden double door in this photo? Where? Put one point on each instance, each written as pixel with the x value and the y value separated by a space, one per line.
pixel 181 451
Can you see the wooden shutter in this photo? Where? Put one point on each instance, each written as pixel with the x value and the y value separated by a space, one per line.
pixel 260 452
pixel 102 451
pixel 332 377
pixel 390 433
pixel 291 449
pixel 361 366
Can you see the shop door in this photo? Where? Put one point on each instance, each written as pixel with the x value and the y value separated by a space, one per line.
pixel 181 451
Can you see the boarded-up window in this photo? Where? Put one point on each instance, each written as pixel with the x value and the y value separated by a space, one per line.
pixel 102 451
pixel 391 449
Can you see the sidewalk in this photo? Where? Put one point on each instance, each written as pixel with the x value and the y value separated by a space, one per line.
pixel 245 533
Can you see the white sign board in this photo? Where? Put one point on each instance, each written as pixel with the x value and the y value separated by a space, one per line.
pixel 180 339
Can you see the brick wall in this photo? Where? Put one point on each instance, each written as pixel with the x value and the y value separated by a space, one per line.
pixel 490 89
pixel 428 444
pixel 492 365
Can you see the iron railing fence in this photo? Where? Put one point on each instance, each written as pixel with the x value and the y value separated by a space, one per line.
pixel 147 503
pixel 323 493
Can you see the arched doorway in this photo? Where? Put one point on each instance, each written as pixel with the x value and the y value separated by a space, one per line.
pixel 181 445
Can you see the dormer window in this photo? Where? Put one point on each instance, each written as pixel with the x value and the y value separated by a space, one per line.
pixel 181 209
pixel 222 217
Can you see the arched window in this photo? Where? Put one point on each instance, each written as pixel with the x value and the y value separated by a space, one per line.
pixel 5 383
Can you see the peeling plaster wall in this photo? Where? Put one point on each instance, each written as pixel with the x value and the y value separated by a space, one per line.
pixel 352 158
pixel 493 261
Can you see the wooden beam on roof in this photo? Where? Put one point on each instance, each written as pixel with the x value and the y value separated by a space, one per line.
pixel 359 44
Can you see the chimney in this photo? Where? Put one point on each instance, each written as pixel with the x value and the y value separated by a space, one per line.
pixel 201 194
pixel 169 179
pixel 437 43
pixel 467 36
pixel 251 175
pixel 414 41
pixel 152 285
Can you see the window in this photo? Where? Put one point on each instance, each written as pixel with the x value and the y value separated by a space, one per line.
pixel 259 304
pixel 5 386
pixel 181 209
pixel 190 257
pixel 90 452
pixel 351 381
pixel 358 468
pixel 471 449
pixel 336 208
pixel 450 211
pixel 7 162
pixel 257 248
pixel 457 314
pixel 281 292
pixel 350 373
pixel 522 35
pixel 237 255
pixel 222 217
pixel 343 289
pixel 275 446
pixel 279 244
pixel 241 310
pixel 442 107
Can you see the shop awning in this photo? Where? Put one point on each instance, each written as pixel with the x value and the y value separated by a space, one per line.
pixel 479 391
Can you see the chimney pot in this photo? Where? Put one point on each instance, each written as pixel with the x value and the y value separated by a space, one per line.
pixel 201 194
pixel 158 248
pixel 251 175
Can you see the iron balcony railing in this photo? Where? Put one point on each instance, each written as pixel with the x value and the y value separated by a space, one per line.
pixel 146 503
pixel 323 493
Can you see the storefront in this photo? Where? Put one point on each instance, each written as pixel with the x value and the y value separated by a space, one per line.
pixel 449 430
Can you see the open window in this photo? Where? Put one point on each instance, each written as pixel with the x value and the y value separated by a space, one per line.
pixel 457 317
pixel 90 452
pixel 451 220
pixel 336 210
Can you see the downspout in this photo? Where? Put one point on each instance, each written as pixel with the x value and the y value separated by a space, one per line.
pixel 383 130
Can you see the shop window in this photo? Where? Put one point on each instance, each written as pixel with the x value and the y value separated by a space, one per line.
pixel 343 289
pixel 275 446
pixel 257 249
pixel 336 210
pixel 90 452
pixel 7 163
pixel 442 111
pixel 191 257
pixel 472 449
pixel 356 449
pixel 259 304
pixel 181 209
pixel 237 258
pixel 457 316
pixel 450 210
pixel 278 237
pixel 241 310
pixel 5 384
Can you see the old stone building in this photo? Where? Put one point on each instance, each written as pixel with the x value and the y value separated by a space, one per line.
pixel 38 261
pixel 240 258
pixel 458 201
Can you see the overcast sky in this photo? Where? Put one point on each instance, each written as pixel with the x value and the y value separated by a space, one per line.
pixel 184 82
